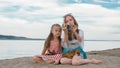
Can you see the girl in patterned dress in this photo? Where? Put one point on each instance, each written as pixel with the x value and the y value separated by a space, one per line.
pixel 52 47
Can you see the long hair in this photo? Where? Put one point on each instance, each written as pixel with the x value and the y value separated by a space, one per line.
pixel 75 22
pixel 50 37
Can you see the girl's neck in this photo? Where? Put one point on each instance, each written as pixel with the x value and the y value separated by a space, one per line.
pixel 55 39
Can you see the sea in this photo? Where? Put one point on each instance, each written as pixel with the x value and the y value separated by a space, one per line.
pixel 10 49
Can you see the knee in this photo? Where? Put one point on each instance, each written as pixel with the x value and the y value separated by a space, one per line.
pixel 62 61
pixel 35 58
pixel 75 62
pixel 65 61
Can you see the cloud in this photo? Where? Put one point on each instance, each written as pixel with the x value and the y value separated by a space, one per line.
pixel 19 27
pixel 10 9
pixel 31 11
pixel 41 3
pixel 34 18
pixel 112 4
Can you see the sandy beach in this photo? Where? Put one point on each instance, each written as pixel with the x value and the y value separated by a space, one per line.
pixel 110 58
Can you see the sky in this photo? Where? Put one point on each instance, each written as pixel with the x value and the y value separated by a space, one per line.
pixel 99 19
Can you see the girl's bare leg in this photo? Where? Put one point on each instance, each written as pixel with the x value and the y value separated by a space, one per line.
pixel 95 61
pixel 78 60
pixel 50 61
pixel 66 60
pixel 38 60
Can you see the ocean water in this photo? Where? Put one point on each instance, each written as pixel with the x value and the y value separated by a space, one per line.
pixel 23 48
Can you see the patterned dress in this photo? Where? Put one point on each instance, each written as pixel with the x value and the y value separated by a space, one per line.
pixel 56 48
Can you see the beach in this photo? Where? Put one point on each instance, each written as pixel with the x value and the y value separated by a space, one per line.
pixel 110 58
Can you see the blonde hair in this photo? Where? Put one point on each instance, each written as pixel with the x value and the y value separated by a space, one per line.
pixel 50 37
pixel 75 22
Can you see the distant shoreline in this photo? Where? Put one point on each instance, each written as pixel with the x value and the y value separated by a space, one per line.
pixel 11 37
pixel 102 40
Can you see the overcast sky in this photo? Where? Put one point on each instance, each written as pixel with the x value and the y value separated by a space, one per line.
pixel 99 19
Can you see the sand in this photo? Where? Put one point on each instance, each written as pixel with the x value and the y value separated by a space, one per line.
pixel 110 58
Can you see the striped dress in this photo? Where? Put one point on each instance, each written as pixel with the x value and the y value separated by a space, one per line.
pixel 54 47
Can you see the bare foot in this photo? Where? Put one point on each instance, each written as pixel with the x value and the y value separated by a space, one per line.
pixel 94 61
pixel 50 61
pixel 41 61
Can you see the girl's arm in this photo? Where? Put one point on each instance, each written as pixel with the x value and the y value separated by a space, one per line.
pixel 78 37
pixel 43 51
pixel 65 33
pixel 66 37
pixel 76 34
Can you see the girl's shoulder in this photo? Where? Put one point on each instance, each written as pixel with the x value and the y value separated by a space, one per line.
pixel 80 30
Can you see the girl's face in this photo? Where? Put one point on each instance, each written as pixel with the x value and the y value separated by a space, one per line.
pixel 69 20
pixel 56 31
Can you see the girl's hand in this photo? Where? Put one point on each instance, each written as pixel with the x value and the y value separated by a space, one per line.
pixel 74 28
pixel 64 28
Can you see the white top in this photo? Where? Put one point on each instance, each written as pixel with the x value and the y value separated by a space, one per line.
pixel 75 43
